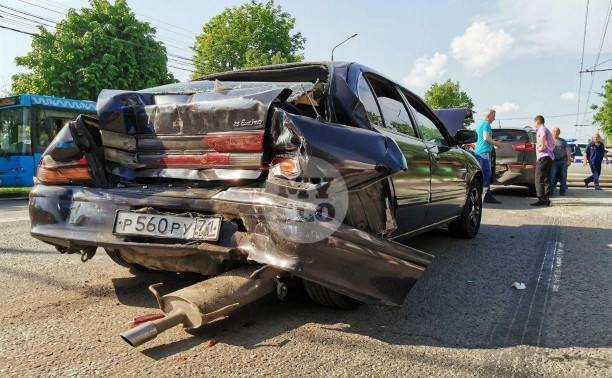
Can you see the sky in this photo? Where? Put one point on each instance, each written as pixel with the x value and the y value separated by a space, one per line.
pixel 520 57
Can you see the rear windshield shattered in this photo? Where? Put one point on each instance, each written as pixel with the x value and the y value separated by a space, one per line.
pixel 297 88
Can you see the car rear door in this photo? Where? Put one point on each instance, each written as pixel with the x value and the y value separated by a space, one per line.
pixel 448 164
pixel 387 114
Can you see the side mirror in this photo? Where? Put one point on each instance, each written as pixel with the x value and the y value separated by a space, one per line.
pixel 466 136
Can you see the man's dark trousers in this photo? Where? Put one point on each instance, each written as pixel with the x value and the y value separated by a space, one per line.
pixel 542 178
pixel 595 173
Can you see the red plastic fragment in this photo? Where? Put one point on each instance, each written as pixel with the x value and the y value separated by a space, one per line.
pixel 212 342
pixel 145 318
pixel 182 358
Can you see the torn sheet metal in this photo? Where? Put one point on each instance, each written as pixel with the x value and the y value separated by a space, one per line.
pixel 361 156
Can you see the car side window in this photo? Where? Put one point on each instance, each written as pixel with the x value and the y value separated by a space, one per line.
pixel 429 130
pixel 394 112
pixel 369 102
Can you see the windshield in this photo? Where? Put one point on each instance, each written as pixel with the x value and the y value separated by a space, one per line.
pixel 14 131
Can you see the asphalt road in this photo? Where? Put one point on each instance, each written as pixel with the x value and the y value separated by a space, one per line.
pixel 62 317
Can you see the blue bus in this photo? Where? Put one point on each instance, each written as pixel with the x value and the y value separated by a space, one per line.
pixel 28 123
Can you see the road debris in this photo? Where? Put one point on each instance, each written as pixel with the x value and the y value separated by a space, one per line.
pixel 519 286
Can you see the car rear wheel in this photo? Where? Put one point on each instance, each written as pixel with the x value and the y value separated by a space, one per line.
pixel 329 298
pixel 468 223
pixel 115 255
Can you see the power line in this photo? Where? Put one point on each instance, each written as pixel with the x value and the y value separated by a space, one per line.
pixel 548 116
pixel 83 30
pixel 140 14
pixel 38 35
pixel 18 31
pixel 179 68
pixel 586 16
pixel 603 37
pixel 599 64
pixel 40 6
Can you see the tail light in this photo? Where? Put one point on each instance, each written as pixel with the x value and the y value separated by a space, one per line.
pixel 522 166
pixel 285 166
pixel 525 146
pixel 52 172
pixel 243 149
pixel 209 160
pixel 235 141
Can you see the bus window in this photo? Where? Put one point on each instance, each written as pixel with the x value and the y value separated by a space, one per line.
pixel 14 132
pixel 49 122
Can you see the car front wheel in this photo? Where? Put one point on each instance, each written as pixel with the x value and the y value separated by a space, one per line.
pixel 468 223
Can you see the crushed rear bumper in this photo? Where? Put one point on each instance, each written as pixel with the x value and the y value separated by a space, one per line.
pixel 351 261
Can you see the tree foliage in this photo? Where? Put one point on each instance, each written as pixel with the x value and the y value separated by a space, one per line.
pixel 104 46
pixel 449 95
pixel 253 34
pixel 604 112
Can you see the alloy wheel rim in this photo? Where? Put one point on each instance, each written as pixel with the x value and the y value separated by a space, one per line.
pixel 474 208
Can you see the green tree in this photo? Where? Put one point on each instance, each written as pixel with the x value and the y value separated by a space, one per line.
pixel 253 34
pixel 604 112
pixel 449 95
pixel 104 46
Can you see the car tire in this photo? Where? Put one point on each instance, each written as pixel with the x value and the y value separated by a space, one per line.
pixel 532 190
pixel 468 223
pixel 329 298
pixel 115 255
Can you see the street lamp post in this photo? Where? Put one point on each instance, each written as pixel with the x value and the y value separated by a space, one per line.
pixel 332 54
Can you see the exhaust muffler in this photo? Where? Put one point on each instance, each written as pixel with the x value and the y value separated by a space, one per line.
pixel 205 301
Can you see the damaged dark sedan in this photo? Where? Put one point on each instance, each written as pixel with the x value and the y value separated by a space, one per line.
pixel 257 177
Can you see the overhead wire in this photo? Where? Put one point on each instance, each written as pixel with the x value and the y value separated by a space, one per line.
pixel 586 16
pixel 601 42
pixel 82 30
pixel 548 116
pixel 186 66
pixel 79 29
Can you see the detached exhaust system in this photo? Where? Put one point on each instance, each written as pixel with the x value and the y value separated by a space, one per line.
pixel 205 301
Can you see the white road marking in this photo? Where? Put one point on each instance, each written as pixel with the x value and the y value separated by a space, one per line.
pixel 17 219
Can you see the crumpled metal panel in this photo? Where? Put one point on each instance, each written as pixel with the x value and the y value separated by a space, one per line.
pixel 360 156
pixel 137 113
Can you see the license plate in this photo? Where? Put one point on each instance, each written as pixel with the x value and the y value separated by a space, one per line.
pixel 167 226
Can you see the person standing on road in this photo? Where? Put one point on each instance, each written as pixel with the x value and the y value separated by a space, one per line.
pixel 563 159
pixel 484 145
pixel 594 154
pixel 544 146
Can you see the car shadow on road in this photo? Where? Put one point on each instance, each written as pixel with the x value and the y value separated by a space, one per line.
pixel 464 299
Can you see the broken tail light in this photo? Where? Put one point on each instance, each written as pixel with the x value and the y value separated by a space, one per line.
pixel 52 172
pixel 525 146
pixel 285 166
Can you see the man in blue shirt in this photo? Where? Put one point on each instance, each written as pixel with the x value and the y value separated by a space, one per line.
pixel 594 154
pixel 484 145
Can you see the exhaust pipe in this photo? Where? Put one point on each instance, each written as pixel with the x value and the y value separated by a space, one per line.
pixel 205 301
